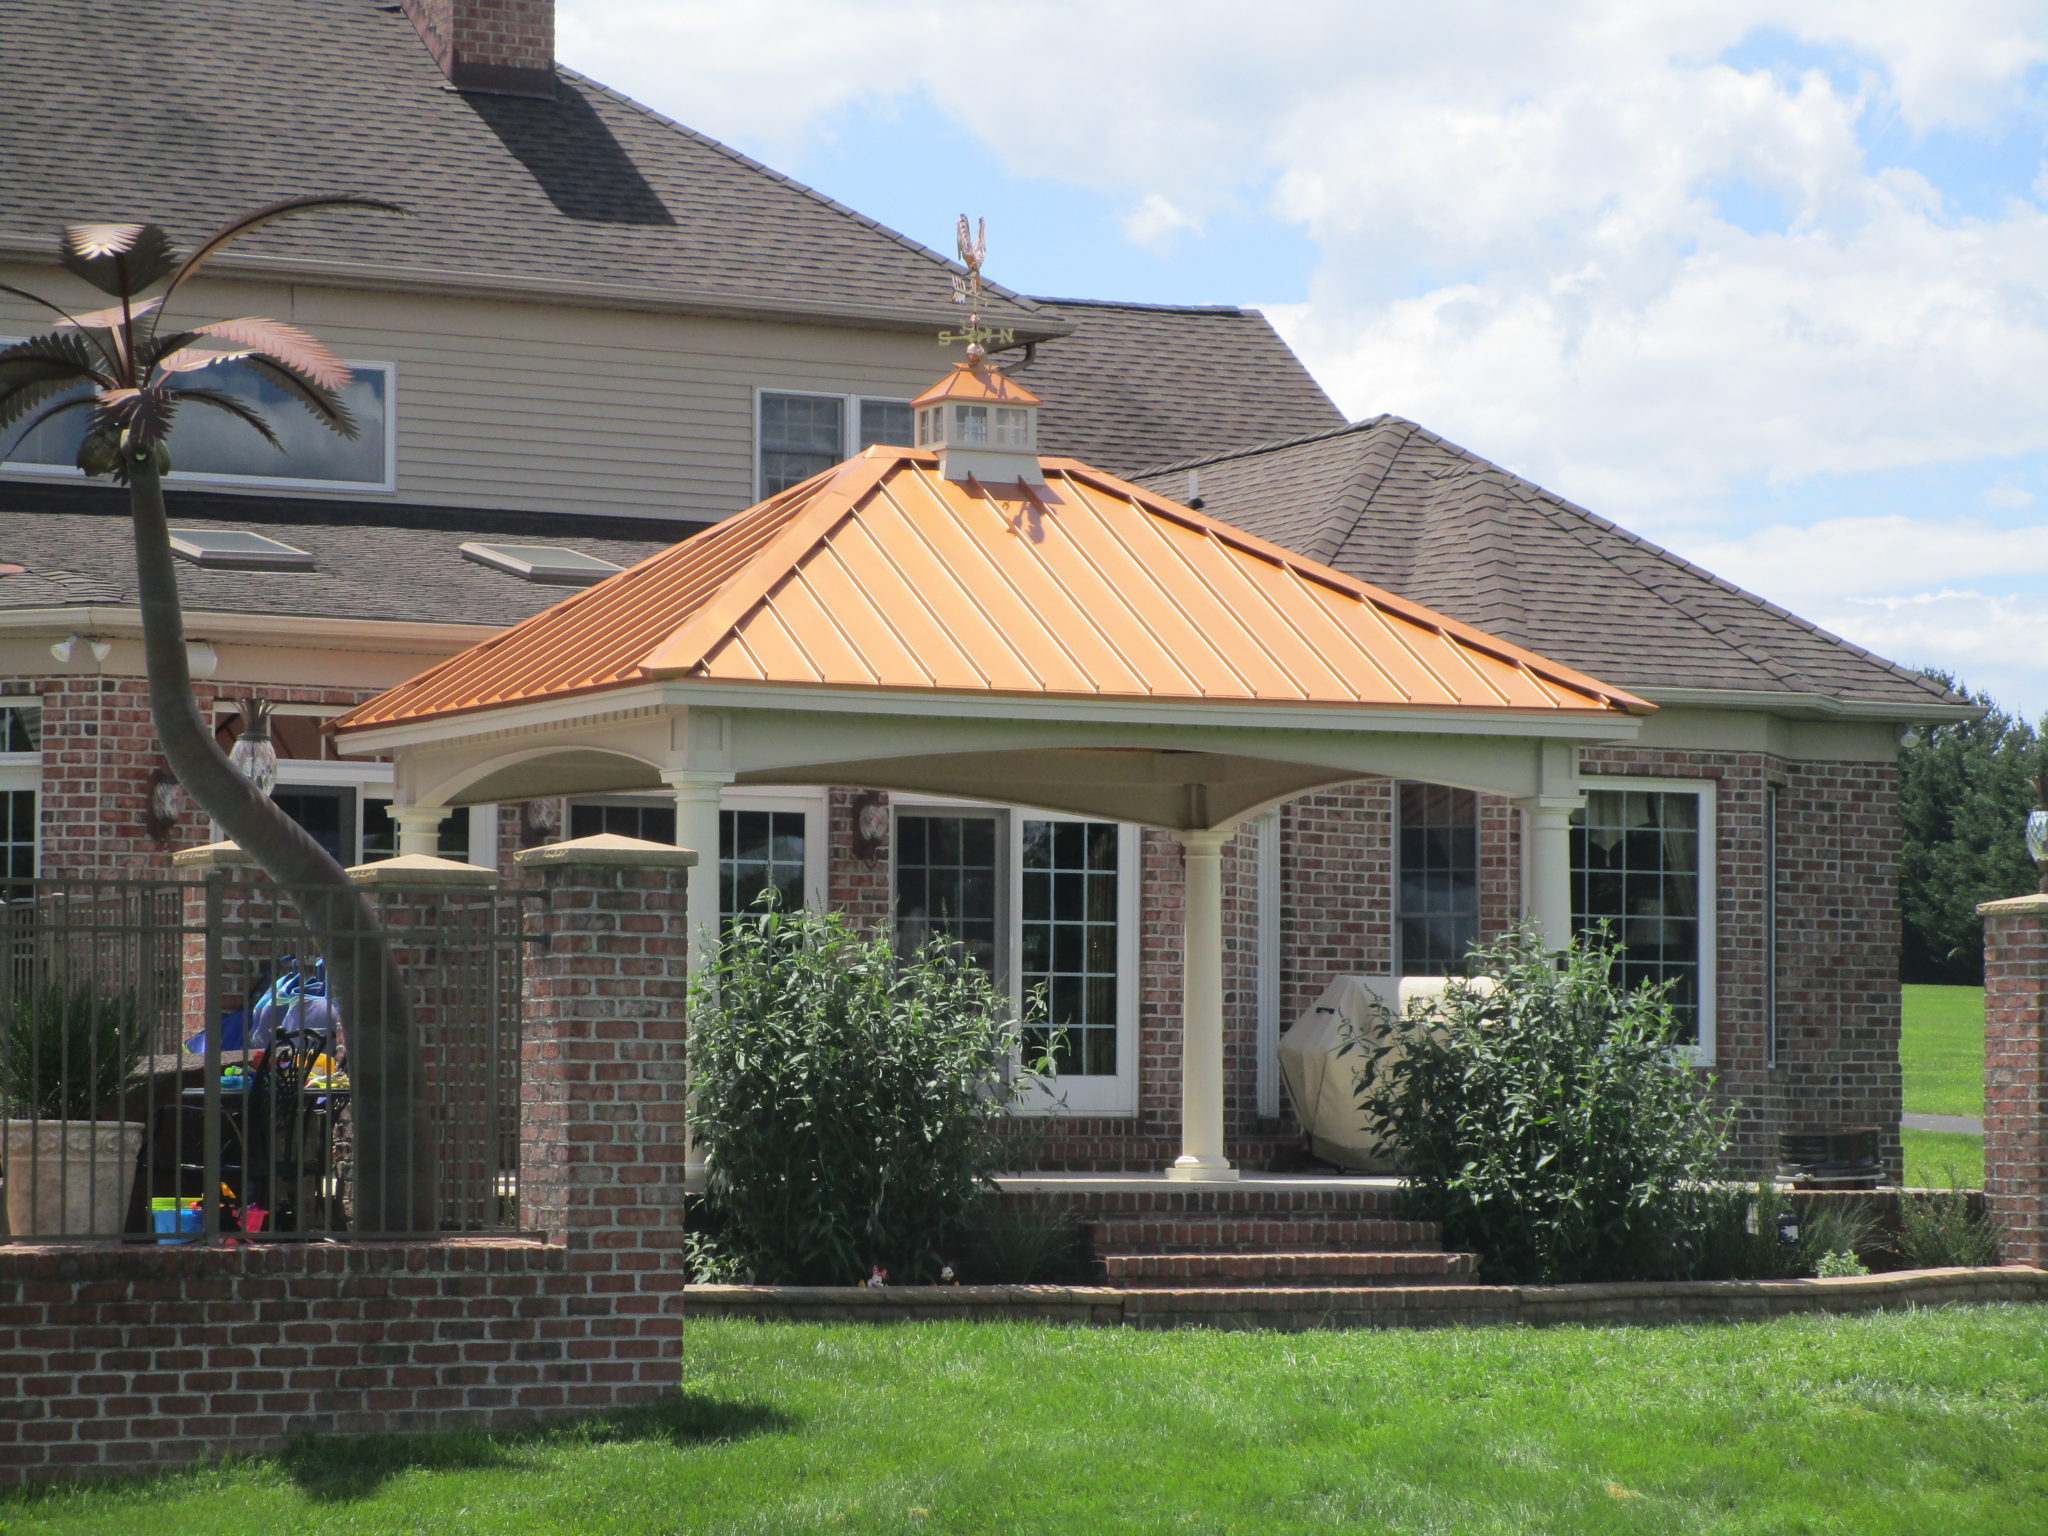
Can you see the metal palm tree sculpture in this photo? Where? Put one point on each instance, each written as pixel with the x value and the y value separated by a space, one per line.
pixel 133 374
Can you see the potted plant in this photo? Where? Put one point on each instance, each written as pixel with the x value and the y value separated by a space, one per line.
pixel 67 1053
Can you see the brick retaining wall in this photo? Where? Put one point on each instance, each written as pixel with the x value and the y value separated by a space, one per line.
pixel 1289 1309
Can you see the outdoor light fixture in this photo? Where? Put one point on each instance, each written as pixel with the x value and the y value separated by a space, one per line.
pixel 101 649
pixel 161 810
pixel 255 756
pixel 2037 828
pixel 870 825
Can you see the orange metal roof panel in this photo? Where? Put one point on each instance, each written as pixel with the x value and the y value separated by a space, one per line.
pixel 881 574
pixel 969 381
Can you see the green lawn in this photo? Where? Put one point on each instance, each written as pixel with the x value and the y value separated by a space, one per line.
pixel 1916 1422
pixel 1941 1050
pixel 1941 1054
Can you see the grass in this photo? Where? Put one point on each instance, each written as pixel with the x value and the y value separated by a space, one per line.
pixel 1907 1422
pixel 1941 1050
pixel 1941 1055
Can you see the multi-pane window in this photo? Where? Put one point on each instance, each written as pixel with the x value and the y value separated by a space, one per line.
pixel 1068 943
pixel 18 834
pixel 802 435
pixel 884 421
pixel 946 883
pixel 623 818
pixel 327 813
pixel 380 834
pixel 759 851
pixel 1636 864
pixel 1437 911
pixel 214 445
pixel 756 849
pixel 21 727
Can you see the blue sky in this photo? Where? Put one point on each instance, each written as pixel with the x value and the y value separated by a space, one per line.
pixel 1762 281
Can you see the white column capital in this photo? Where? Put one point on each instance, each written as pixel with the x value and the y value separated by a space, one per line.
pixel 696 781
pixel 419 828
pixel 1207 841
pixel 1552 805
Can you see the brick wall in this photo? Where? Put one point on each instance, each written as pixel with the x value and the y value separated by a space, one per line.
pixel 2016 1074
pixel 122 1357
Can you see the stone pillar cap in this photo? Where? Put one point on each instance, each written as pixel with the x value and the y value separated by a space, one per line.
pixel 224 855
pixel 2013 905
pixel 608 849
pixel 419 869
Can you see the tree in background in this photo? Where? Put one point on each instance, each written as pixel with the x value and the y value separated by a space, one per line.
pixel 1963 799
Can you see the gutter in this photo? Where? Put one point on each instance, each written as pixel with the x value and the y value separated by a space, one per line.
pixel 1812 706
pixel 258 628
pixel 658 298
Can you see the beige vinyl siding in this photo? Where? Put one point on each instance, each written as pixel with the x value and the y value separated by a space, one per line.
pixel 559 408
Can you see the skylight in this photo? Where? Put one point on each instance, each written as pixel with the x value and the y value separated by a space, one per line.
pixel 228 550
pixel 549 563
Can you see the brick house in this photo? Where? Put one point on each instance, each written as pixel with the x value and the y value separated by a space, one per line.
pixel 601 332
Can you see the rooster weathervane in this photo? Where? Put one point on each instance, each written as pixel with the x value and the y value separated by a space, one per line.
pixel 973 244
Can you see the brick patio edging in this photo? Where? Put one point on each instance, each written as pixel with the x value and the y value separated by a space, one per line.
pixel 1421 1306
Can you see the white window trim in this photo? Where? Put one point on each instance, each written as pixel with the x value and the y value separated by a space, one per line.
pixel 1701 1053
pixel 24 771
pixel 1115 1096
pixel 386 486
pixel 817 830
pixel 849 422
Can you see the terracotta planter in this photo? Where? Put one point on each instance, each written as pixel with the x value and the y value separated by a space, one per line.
pixel 70 1178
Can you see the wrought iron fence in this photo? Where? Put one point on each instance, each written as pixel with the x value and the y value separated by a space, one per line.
pixel 175 1065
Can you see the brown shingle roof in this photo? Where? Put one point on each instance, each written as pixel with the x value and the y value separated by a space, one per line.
pixel 1139 384
pixel 190 112
pixel 1399 506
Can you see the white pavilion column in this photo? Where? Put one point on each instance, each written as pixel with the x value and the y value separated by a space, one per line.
pixel 1547 865
pixel 1201 1157
pixel 419 829
pixel 696 791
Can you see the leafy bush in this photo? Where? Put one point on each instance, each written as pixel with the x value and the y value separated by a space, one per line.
pixel 848 1100
pixel 1839 1264
pixel 1838 1229
pixel 1939 1229
pixel 68 1050
pixel 1738 1238
pixel 1547 1121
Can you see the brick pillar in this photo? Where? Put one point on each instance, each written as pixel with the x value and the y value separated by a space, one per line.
pixel 603 1092
pixel 2016 1074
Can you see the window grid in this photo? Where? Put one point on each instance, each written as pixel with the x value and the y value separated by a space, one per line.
pixel 1438 884
pixel 21 727
pixel 1068 943
pixel 884 421
pixel 759 851
pixel 946 884
pixel 18 834
pixel 801 435
pixel 1636 865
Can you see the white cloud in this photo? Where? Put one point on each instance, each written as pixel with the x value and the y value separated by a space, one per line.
pixel 1868 556
pixel 1155 221
pixel 2007 493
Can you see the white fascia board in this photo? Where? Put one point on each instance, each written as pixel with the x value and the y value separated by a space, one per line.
pixel 258 628
pixel 1589 726
pixel 1071 711
pixel 1808 706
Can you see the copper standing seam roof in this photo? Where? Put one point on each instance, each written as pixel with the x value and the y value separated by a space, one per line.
pixel 880 574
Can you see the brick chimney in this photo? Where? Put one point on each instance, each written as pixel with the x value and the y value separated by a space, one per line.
pixel 505 47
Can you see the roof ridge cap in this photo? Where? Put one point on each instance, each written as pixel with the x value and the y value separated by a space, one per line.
pixel 690 644
pixel 1234 310
pixel 1275 445
pixel 1024 301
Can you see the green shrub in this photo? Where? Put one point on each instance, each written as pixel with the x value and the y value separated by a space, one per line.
pixel 1737 1236
pixel 848 1100
pixel 1833 1229
pixel 1939 1229
pixel 68 1050
pixel 1010 1244
pixel 1548 1122
pixel 1839 1264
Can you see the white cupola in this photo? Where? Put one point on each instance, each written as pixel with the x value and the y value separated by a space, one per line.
pixel 982 424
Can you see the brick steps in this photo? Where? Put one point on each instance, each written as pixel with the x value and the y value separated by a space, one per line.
pixel 1259 1233
pixel 1226 1270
